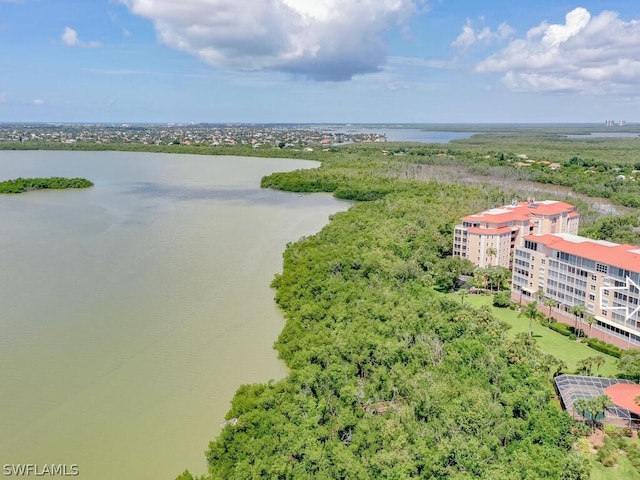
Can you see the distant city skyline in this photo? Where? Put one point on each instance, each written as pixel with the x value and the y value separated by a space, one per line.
pixel 320 61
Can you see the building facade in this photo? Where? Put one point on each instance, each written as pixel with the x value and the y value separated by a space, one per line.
pixel 573 270
pixel 489 238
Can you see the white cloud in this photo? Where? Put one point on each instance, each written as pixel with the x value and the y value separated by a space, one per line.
pixel 38 101
pixel 3 97
pixel 596 54
pixel 576 20
pixel 320 39
pixel 471 36
pixel 70 38
pixel 423 62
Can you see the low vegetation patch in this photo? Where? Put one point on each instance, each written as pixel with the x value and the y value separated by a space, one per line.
pixel 616 446
pixel 20 185
pixel 561 328
pixel 604 347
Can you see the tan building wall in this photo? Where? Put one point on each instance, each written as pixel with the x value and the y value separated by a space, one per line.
pixel 573 270
pixel 556 223
pixel 500 230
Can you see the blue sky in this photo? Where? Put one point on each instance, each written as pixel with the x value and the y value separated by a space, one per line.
pixel 356 61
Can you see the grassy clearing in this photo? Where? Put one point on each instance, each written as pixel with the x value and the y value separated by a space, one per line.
pixel 551 342
pixel 622 471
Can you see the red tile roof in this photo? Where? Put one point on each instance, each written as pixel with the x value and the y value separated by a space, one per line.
pixel 548 207
pixel 490 231
pixel 502 217
pixel 522 211
pixel 624 394
pixel 622 256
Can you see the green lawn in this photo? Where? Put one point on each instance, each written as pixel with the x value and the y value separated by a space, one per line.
pixel 622 471
pixel 551 342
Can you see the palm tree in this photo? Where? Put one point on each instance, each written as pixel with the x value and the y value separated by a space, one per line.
pixel 581 407
pixel 491 253
pixel 560 366
pixel 494 280
pixel 490 278
pixel 584 366
pixel 549 302
pixel 598 362
pixel 463 292
pixel 599 405
pixel 532 313
pixel 479 278
pixel 504 275
pixel 590 320
pixel 577 310
pixel 592 408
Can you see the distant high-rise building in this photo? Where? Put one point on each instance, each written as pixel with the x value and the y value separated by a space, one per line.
pixel 622 123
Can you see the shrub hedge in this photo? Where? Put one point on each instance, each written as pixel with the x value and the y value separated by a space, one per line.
pixel 604 347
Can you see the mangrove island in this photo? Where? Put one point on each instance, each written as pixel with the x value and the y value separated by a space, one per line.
pixel 20 185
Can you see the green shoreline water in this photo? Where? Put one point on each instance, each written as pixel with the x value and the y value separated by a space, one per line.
pixel 132 311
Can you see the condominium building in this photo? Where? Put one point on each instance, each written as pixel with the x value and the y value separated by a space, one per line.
pixel 573 270
pixel 488 238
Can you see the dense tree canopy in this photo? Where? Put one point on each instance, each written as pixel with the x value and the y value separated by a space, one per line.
pixel 20 185
pixel 388 378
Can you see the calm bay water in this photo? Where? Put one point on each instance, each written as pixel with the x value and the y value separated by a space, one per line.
pixel 132 311
pixel 605 135
pixel 402 134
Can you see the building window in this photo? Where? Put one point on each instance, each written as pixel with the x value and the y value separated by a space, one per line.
pixel 606 292
pixel 592 297
pixel 594 277
pixel 593 288
pixel 542 261
pixel 623 273
pixel 601 268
